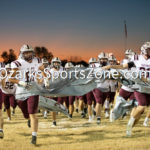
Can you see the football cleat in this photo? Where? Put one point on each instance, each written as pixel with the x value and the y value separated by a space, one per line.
pixel 1 134
pixel 129 126
pixel 45 114
pixel 83 115
pixel 13 112
pixel 90 119
pixel 54 124
pixel 98 121
pixel 33 141
pixel 8 118
pixel 77 110
pixel 70 116
pixel 29 123
pixel 106 114
pixel 145 124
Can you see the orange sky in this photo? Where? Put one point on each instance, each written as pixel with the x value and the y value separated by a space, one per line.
pixel 75 28
pixel 66 53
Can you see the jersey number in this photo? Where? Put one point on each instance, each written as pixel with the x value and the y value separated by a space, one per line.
pixel 147 73
pixel 9 85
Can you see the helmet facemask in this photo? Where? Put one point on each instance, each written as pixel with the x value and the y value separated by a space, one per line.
pixel 148 53
pixel 103 61
pixel 56 65
pixel 145 49
pixel 28 56
pixel 126 56
pixel 27 53
pixel 112 62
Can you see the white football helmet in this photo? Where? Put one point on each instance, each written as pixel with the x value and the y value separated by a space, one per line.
pixel 103 58
pixel 79 66
pixel 128 52
pixel 112 58
pixel 56 59
pixel 44 61
pixel 110 54
pixel 103 55
pixel 26 48
pixel 8 66
pixel 69 65
pixel 144 48
pixel 56 62
pixel 92 60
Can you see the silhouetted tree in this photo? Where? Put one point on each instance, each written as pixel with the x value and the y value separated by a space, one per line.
pixel 12 55
pixel 84 63
pixel 5 57
pixel 49 56
pixel 63 62
pixel 74 58
pixel 42 52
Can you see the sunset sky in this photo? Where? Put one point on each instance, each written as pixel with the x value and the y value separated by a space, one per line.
pixel 82 28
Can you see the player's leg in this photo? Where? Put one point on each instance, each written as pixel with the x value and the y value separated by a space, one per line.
pixel 98 106
pixel 66 102
pixel 89 97
pixel 1 117
pixel 7 104
pixel 106 105
pixel 85 104
pixel 146 121
pixel 142 102
pixel 13 103
pixel 1 124
pixel 76 104
pixel 32 103
pixel 100 99
pixel 54 113
pixel 54 119
pixel 81 106
pixel 71 107
pixel 127 95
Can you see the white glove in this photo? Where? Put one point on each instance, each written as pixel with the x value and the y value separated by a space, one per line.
pixel 22 83
pixel 46 82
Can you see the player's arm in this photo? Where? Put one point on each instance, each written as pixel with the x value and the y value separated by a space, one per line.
pixel 45 79
pixel 3 83
pixel 122 66
pixel 145 79
pixel 13 78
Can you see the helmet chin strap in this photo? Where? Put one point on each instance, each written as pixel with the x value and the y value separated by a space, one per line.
pixel 28 59
pixel 148 56
pixel 56 67
pixel 103 64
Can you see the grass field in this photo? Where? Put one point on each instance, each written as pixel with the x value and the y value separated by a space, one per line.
pixel 75 134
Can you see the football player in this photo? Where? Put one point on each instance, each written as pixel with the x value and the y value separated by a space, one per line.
pixel 56 68
pixel 2 66
pixel 141 62
pixel 89 96
pixel 8 91
pixel 125 92
pixel 100 96
pixel 113 84
pixel 27 63
pixel 71 99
